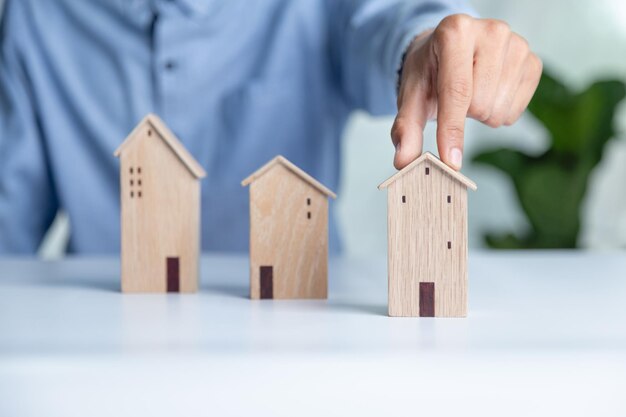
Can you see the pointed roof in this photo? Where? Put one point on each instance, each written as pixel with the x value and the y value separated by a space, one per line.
pixel 432 158
pixel 300 173
pixel 170 139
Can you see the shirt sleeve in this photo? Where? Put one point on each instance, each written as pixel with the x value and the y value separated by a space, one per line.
pixel 27 201
pixel 368 39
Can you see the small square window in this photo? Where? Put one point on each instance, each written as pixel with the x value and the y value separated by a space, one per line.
pixel 149 132
pixel 132 194
pixel 427 171
pixel 138 182
pixel 139 194
pixel 404 199
pixel 138 170
pixel 131 183
pixel 449 199
pixel 131 170
pixel 449 245
pixel 308 214
pixel 308 201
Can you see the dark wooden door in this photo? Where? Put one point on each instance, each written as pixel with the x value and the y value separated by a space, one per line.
pixel 427 299
pixel 267 282
pixel 173 274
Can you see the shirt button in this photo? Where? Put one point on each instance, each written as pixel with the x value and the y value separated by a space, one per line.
pixel 170 65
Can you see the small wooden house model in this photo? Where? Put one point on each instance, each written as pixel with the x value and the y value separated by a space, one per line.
pixel 288 232
pixel 427 239
pixel 160 211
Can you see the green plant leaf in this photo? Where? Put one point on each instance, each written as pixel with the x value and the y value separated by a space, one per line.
pixel 578 123
pixel 509 161
pixel 505 241
pixel 550 196
pixel 551 187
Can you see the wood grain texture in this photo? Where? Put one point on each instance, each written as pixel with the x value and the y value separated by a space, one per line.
pixel 427 239
pixel 160 213
pixel 289 231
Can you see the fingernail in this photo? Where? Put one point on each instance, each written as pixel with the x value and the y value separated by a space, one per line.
pixel 456 157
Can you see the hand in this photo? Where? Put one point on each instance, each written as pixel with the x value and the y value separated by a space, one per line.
pixel 466 67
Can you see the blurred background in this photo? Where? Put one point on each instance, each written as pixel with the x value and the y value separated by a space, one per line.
pixel 580 43
pixel 566 146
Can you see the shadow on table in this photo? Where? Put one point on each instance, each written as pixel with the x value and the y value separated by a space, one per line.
pixel 107 283
pixel 373 309
pixel 242 292
pixel 236 291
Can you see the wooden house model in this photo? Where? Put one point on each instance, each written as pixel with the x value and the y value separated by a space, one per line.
pixel 288 232
pixel 160 211
pixel 427 239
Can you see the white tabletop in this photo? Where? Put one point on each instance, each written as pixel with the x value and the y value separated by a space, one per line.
pixel 546 335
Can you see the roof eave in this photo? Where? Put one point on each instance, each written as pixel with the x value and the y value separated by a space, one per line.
pixel 427 155
pixel 182 154
pixel 291 167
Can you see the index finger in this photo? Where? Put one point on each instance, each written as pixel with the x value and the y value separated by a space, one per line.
pixel 454 49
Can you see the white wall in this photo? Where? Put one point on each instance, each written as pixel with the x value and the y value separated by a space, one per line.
pixel 581 41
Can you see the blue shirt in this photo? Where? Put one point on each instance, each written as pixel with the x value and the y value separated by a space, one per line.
pixel 238 81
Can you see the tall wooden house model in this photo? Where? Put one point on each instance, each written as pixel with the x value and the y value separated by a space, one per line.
pixel 427 239
pixel 160 211
pixel 288 232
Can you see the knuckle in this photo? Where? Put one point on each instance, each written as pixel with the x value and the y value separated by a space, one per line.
pixel 495 120
pixel 514 116
pixel 510 120
pixel 480 111
pixel 459 91
pixel 497 28
pixel 454 133
pixel 459 21
pixel 537 64
pixel 453 26
pixel 398 129
pixel 520 45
